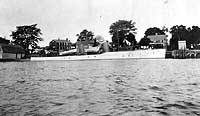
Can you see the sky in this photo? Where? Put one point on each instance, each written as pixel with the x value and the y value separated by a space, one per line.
pixel 66 18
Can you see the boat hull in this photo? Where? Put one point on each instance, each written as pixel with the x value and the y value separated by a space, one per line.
pixel 137 54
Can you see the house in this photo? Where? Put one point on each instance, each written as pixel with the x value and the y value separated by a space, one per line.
pixel 60 45
pixel 158 40
pixel 11 52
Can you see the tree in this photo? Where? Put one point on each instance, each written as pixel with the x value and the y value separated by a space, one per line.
pixel 27 36
pixel 179 32
pixel 154 31
pixel 144 41
pixel 131 38
pixel 85 35
pixel 194 35
pixel 123 30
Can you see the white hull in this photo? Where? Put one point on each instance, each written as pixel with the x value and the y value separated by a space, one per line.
pixel 150 53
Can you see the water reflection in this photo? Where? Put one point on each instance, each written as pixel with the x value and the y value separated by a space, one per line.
pixel 100 88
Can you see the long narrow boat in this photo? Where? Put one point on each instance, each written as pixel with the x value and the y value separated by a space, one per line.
pixel 136 54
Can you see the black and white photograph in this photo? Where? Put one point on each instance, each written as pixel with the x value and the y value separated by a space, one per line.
pixel 99 57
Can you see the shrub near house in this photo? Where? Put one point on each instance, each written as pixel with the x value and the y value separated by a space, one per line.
pixel 11 52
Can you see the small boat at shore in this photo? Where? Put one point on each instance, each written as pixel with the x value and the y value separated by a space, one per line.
pixel 136 54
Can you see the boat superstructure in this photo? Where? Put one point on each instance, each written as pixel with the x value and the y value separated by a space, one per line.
pixel 136 54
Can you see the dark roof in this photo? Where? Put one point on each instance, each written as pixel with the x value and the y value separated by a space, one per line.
pixel 59 40
pixel 7 48
pixel 4 41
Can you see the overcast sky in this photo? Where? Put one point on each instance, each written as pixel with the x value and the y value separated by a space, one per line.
pixel 66 18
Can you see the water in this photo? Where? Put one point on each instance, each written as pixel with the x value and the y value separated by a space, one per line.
pixel 137 87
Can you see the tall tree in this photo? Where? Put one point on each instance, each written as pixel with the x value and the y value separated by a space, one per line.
pixel 194 35
pixel 27 36
pixel 179 32
pixel 123 30
pixel 85 35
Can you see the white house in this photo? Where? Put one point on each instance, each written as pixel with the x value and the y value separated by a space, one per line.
pixel 158 40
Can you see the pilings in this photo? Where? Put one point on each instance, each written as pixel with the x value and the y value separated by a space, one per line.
pixel 181 54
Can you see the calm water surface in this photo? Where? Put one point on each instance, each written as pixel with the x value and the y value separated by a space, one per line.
pixel 136 87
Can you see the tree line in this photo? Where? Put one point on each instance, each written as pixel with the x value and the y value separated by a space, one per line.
pixel 122 31
pixel 190 34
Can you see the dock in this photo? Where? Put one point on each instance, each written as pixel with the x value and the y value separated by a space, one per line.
pixel 181 54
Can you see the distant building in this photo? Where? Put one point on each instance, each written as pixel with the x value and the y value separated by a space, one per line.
pixel 8 52
pixel 60 45
pixel 158 40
